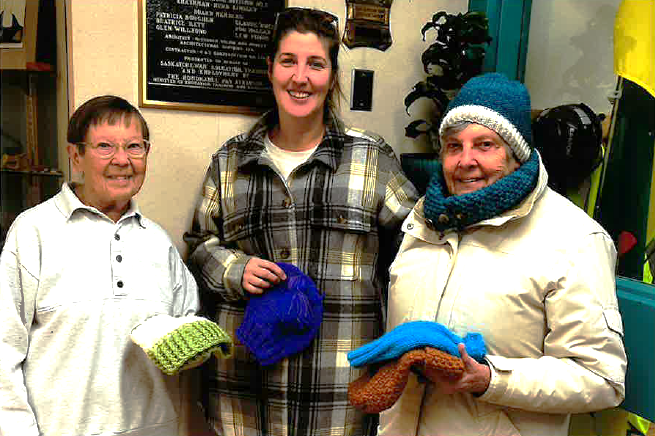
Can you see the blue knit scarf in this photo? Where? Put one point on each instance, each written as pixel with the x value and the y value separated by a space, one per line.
pixel 447 211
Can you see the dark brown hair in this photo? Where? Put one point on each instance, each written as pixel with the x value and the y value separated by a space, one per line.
pixel 321 23
pixel 104 109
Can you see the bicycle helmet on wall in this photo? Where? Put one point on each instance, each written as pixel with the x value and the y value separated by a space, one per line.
pixel 569 139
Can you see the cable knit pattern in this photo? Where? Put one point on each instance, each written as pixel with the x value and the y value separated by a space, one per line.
pixel 459 211
pixel 176 344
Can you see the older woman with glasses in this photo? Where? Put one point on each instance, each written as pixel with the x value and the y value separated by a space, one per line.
pixel 77 274
pixel 301 188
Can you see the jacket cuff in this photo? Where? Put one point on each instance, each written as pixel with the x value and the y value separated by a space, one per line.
pixel 500 378
pixel 233 276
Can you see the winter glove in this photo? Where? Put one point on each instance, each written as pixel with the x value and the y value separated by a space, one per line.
pixel 416 334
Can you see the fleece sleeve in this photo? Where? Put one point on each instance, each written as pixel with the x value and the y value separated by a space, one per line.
pixel 18 287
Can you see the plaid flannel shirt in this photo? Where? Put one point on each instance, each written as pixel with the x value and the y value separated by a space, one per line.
pixel 332 220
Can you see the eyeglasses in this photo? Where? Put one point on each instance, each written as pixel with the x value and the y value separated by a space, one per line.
pixel 104 149
pixel 323 17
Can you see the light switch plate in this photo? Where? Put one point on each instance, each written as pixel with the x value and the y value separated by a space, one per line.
pixel 361 96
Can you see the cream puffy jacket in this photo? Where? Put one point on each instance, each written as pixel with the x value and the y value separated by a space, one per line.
pixel 538 283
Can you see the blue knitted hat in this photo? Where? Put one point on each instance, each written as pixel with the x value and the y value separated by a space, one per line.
pixel 284 319
pixel 500 104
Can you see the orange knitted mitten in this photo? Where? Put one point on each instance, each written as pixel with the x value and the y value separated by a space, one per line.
pixel 373 394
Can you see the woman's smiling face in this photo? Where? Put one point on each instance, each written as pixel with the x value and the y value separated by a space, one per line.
pixel 301 75
pixel 110 183
pixel 474 158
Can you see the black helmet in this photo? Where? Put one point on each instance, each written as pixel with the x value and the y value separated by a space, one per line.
pixel 569 139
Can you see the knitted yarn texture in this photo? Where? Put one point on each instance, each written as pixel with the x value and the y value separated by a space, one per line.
pixel 500 104
pixel 176 344
pixel 416 334
pixel 445 211
pixel 284 319
pixel 373 394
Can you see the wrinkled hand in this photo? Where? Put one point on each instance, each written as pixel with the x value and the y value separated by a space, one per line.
pixel 261 274
pixel 475 379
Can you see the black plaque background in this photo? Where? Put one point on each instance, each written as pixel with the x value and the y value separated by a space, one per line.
pixel 206 55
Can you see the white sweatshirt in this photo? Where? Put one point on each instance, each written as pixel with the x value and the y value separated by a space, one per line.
pixel 73 284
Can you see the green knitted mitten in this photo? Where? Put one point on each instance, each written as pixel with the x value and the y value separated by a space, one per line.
pixel 176 344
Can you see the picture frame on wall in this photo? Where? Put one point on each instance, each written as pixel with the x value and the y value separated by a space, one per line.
pixel 19 33
pixel 206 55
pixel 12 13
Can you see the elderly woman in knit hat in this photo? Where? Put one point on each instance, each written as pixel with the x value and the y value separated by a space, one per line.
pixel 499 253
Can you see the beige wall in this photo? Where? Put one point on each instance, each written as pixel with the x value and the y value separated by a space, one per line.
pixel 570 53
pixel 104 57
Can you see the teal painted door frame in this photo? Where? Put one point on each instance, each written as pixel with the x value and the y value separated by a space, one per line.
pixel 637 306
pixel 509 26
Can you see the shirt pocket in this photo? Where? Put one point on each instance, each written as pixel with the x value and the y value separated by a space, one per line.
pixel 343 241
pixel 342 217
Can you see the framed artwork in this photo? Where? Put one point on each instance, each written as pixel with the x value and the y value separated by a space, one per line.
pixel 12 16
pixel 18 33
pixel 206 55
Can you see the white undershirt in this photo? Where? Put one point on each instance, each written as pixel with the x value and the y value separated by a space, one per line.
pixel 286 161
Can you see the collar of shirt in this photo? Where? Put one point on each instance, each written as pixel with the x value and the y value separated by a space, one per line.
pixel 328 152
pixel 68 204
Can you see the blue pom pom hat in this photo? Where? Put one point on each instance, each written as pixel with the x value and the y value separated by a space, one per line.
pixel 510 116
pixel 284 319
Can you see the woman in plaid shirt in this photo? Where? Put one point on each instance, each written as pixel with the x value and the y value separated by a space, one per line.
pixel 299 188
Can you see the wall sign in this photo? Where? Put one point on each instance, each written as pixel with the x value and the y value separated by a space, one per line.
pixel 205 55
